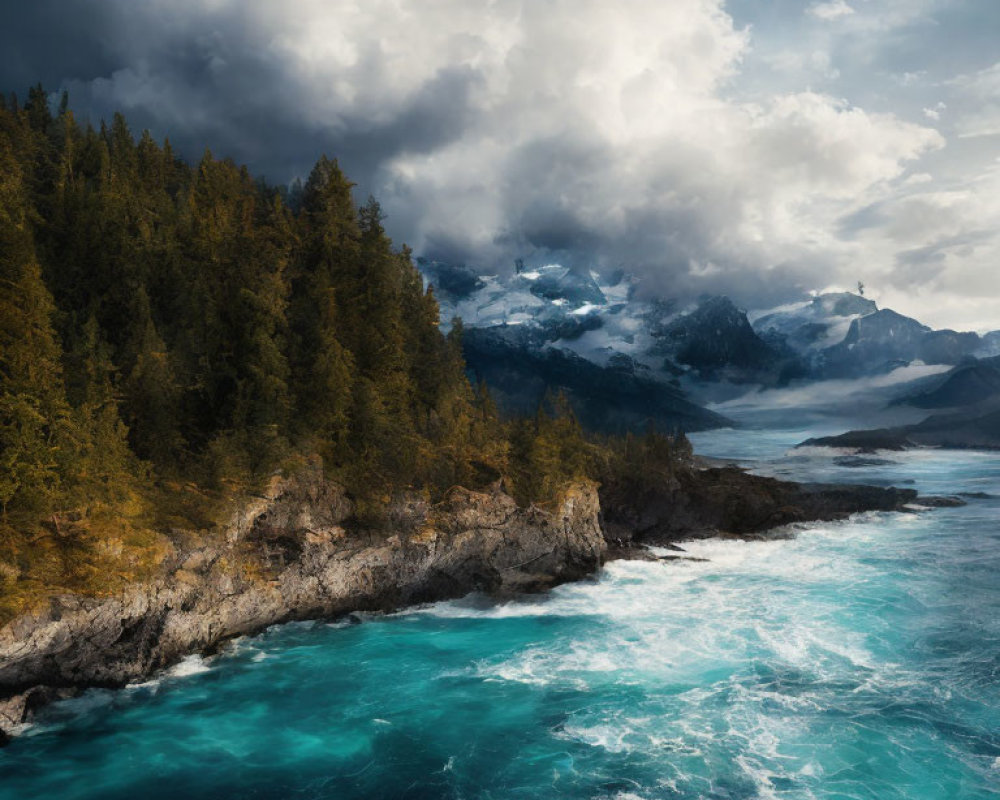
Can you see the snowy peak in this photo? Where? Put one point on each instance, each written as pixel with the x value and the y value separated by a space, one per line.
pixel 885 327
pixel 577 289
pixel 814 324
pixel 876 343
pixel 716 341
pixel 844 335
pixel 601 318
pixel 535 295
pixel 843 304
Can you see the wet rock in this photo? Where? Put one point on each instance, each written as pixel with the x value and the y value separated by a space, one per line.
pixel 934 501
pixel 720 501
pixel 856 461
pixel 285 556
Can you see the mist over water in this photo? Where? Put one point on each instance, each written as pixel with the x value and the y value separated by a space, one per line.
pixel 857 660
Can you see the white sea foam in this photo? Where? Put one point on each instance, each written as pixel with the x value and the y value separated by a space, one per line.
pixel 186 667
pixel 190 665
pixel 762 671
pixel 608 737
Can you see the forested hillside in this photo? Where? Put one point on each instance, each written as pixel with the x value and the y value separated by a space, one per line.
pixel 171 335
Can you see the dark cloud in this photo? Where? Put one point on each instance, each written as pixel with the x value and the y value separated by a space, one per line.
pixel 50 41
pixel 665 138
pixel 208 78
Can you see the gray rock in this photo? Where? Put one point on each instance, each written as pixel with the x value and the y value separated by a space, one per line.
pixel 287 556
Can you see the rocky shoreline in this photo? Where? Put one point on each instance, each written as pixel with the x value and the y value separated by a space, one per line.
pixel 288 555
pixel 973 428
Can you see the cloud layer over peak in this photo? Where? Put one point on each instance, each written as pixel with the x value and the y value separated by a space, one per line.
pixel 667 138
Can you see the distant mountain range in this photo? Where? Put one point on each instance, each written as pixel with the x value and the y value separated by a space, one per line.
pixel 965 406
pixel 625 360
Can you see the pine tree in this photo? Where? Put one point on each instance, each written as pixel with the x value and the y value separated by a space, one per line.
pixel 199 321
pixel 36 429
pixel 327 386
pixel 324 367
pixel 107 469
pixel 152 396
pixel 35 423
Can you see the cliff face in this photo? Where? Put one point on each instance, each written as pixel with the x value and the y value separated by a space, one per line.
pixel 729 501
pixel 287 556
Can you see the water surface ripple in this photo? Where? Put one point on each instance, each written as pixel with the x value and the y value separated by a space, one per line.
pixel 858 660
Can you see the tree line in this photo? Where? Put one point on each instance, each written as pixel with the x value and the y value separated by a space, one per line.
pixel 165 324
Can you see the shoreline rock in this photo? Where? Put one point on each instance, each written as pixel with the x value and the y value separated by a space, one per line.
pixel 730 501
pixel 287 556
pixel 972 428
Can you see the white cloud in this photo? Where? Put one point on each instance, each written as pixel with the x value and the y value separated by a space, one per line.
pixel 628 152
pixel 981 90
pixel 984 84
pixel 934 112
pixel 983 122
pixel 834 9
pixel 624 134
pixel 630 163
pixel 934 252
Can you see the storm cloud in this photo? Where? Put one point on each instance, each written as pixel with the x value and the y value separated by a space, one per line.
pixel 755 148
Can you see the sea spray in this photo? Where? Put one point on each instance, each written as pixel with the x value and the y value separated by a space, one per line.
pixel 856 660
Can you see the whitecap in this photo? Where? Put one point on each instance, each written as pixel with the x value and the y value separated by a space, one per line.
pixel 188 666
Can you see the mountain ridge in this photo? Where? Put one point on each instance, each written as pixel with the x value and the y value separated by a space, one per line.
pixel 535 320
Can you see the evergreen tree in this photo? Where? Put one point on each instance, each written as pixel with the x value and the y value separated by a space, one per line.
pixel 196 322
pixel 320 320
pixel 36 430
pixel 152 396
pixel 35 424
pixel 106 469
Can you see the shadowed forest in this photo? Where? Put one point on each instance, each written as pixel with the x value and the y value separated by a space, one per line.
pixel 172 335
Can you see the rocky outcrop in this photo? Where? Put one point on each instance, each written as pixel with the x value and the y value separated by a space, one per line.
pixel 296 552
pixel 290 555
pixel 972 428
pixel 717 342
pixel 729 501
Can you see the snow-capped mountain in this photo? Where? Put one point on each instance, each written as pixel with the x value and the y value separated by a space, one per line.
pixel 556 303
pixel 625 359
pixel 558 328
pixel 844 335
pixel 813 325
pixel 600 318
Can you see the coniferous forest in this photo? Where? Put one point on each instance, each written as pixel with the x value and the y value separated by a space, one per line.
pixel 174 334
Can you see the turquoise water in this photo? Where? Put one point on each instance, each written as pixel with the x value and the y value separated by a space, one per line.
pixel 858 660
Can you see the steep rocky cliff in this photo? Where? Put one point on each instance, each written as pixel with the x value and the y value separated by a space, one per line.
pixel 297 552
pixel 287 555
